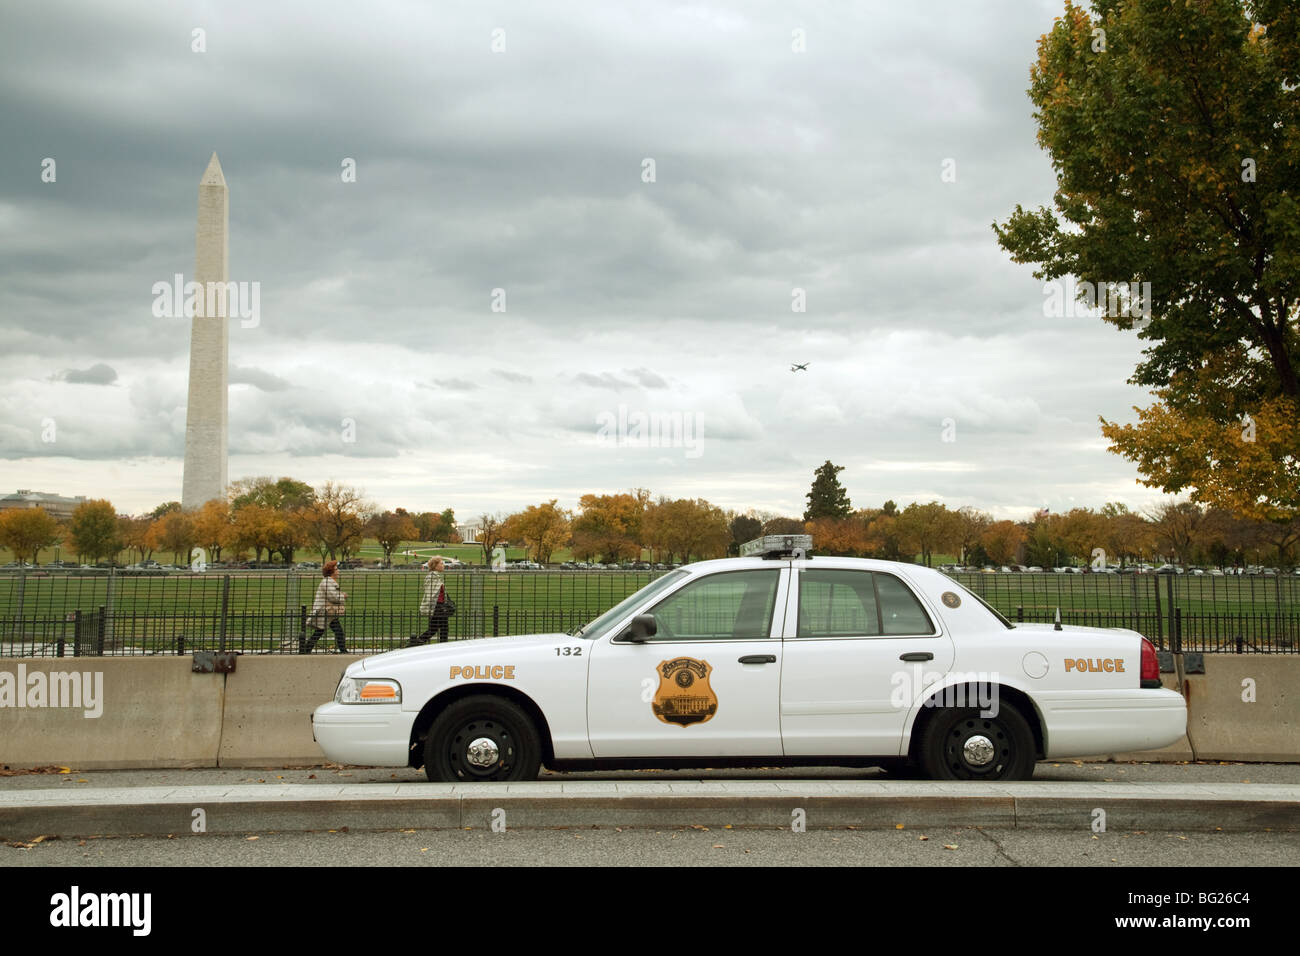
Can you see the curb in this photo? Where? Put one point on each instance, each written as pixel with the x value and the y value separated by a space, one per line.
pixel 249 809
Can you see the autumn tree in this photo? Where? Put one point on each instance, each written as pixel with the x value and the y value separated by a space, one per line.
pixel 827 497
pixel 685 528
pixel 288 497
pixel 926 528
pixel 390 530
pixel 173 532
pixel 542 528
pixel 133 534
pixel 1126 535
pixel 608 527
pixel 1177 527
pixel 838 536
pixel 969 525
pixel 489 534
pixel 212 527
pixel 1002 541
pixel 779 525
pixel 1171 128
pixel 24 531
pixel 334 523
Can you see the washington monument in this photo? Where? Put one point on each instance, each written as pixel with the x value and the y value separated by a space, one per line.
pixel 206 414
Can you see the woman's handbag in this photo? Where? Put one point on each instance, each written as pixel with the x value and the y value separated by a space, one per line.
pixel 445 603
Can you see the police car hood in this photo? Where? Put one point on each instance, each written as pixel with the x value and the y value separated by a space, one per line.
pixel 461 650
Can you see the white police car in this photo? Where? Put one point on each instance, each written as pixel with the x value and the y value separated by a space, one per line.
pixel 770 658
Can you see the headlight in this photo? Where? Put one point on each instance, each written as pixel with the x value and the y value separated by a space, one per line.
pixel 360 690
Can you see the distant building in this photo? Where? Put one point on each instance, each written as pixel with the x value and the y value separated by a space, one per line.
pixel 56 506
pixel 468 531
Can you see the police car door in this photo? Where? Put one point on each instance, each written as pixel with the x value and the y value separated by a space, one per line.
pixel 859 647
pixel 706 684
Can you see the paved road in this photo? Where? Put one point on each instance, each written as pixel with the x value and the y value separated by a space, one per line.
pixel 680 847
pixel 1192 773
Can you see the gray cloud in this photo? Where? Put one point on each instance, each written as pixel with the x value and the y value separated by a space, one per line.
pixel 97 374
pixel 774 171
pixel 258 378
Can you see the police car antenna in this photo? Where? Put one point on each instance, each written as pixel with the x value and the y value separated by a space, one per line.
pixel 773 547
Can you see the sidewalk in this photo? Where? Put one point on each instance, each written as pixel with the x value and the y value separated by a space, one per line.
pixel 252 808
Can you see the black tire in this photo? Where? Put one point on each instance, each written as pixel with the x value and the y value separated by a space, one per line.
pixel 944 755
pixel 500 722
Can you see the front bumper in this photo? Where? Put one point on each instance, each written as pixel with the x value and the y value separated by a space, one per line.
pixel 371 735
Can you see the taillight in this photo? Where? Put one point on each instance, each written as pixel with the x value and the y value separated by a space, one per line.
pixel 1150 665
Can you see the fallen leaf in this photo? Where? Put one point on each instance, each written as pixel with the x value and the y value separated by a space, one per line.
pixel 718 846
pixel 950 846
pixel 898 826
pixel 424 849
pixel 311 776
pixel 65 770
pixel 923 838
pixel 251 838
pixel 696 826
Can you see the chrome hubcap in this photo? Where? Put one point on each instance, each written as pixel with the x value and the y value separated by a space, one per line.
pixel 978 750
pixel 483 752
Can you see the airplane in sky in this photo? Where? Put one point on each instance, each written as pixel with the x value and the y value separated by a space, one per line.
pixel 796 367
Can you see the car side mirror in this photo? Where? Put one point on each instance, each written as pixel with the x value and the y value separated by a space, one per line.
pixel 642 628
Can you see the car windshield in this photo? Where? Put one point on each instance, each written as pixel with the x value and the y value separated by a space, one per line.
pixel 592 629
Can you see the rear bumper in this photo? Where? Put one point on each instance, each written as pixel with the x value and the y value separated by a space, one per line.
pixel 1116 721
pixel 371 735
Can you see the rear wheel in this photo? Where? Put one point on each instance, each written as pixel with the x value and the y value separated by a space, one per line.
pixel 959 744
pixel 482 738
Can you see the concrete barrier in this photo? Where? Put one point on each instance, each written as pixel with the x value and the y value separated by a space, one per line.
pixel 269 702
pixel 1245 707
pixel 155 712
pixel 151 712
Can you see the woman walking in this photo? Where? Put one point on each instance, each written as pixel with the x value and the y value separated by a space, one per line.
pixel 433 602
pixel 326 609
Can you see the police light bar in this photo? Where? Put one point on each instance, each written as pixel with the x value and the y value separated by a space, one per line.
pixel 777 546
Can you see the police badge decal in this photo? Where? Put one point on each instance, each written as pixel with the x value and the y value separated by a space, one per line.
pixel 684 695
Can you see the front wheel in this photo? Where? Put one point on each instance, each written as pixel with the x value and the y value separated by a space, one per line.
pixel 959 744
pixel 482 738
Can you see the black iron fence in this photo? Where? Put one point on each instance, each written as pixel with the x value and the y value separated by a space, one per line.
pixel 83 612
pixel 111 612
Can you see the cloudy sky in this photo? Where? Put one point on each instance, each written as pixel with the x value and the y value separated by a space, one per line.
pixel 505 146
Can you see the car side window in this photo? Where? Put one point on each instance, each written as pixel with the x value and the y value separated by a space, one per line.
pixel 730 606
pixel 900 611
pixel 837 604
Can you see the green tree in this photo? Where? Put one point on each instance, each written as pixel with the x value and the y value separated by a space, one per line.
pixel 93 531
pixel 743 528
pixel 1172 131
pixel 827 497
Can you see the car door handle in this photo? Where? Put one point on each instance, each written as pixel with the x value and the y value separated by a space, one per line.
pixel 758 659
pixel 916 656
